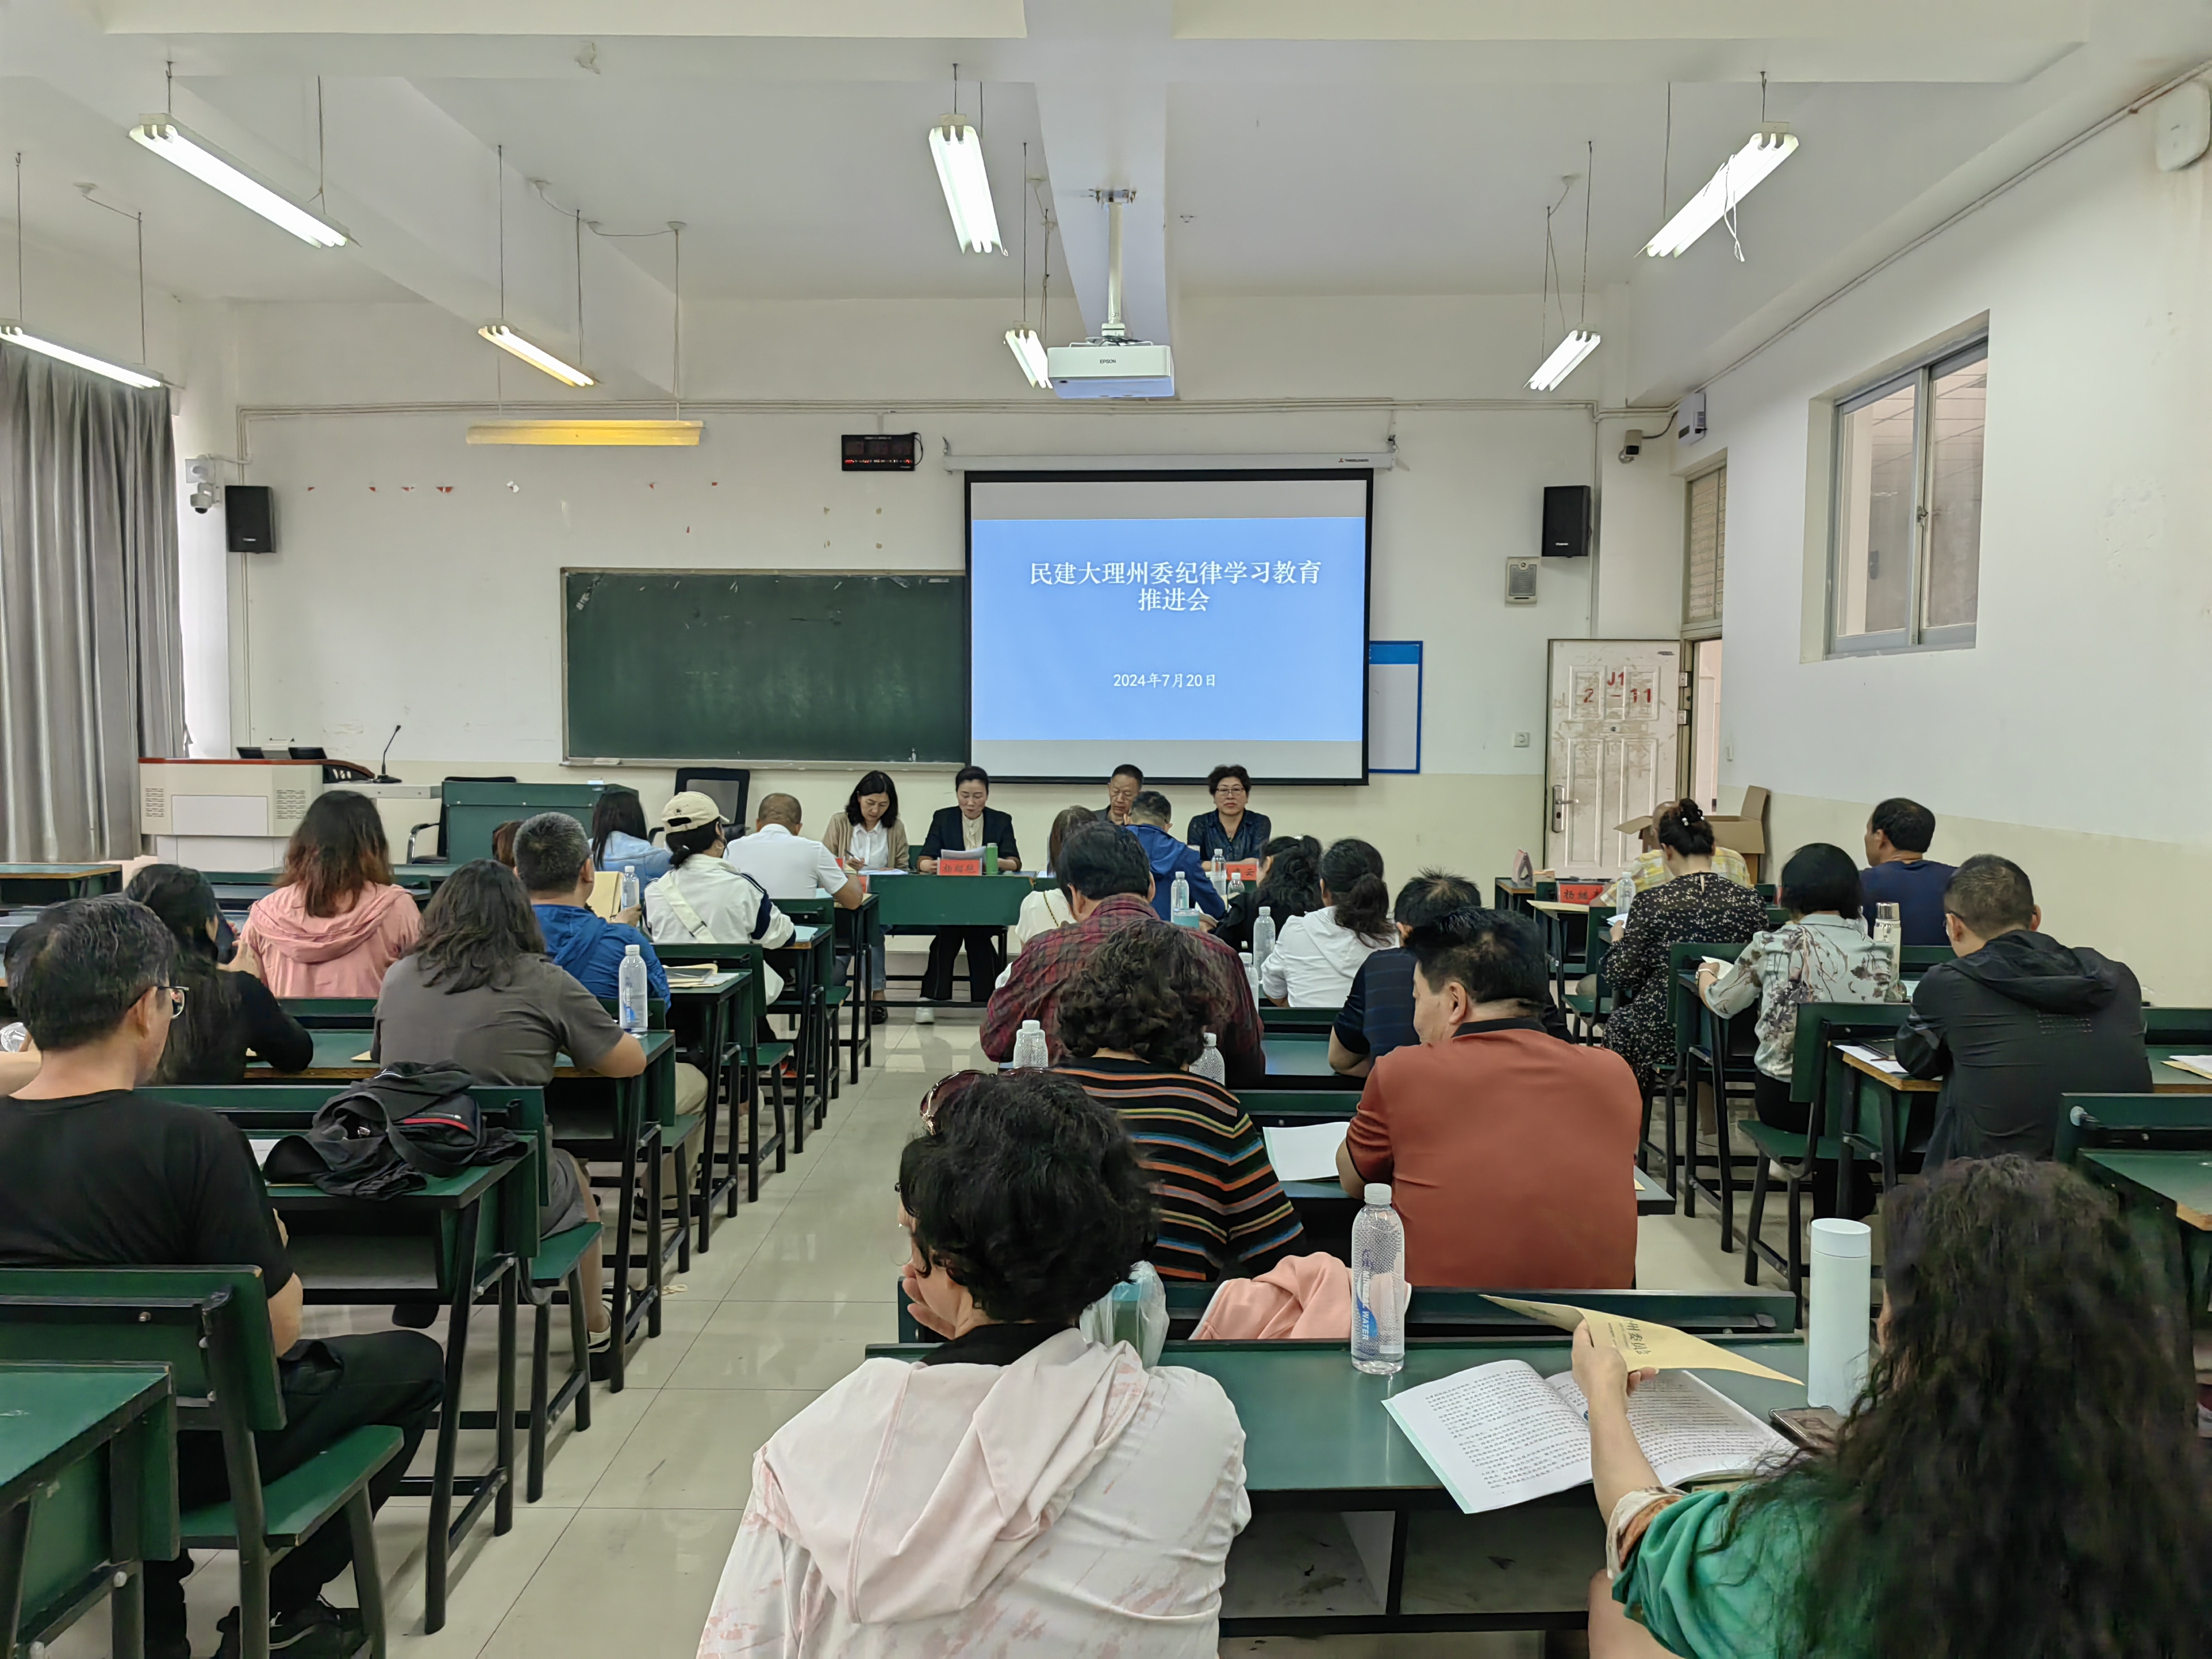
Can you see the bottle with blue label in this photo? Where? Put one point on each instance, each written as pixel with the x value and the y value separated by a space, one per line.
pixel 1378 1278
pixel 633 985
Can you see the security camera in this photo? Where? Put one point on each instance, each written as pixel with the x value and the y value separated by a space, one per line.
pixel 205 494
pixel 1631 446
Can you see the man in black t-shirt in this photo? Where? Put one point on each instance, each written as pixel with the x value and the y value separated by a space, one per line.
pixel 93 1175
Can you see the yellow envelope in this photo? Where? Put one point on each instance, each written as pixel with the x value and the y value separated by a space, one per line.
pixel 1646 1344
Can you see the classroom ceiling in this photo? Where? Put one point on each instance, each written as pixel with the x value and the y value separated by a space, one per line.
pixel 1277 146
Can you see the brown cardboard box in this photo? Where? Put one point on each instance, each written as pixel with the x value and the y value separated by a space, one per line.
pixel 1745 829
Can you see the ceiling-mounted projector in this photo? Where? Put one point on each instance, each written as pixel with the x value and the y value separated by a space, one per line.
pixel 1112 365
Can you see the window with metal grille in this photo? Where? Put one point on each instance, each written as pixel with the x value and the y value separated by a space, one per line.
pixel 1704 564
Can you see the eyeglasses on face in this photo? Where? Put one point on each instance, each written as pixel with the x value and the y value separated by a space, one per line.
pixel 176 999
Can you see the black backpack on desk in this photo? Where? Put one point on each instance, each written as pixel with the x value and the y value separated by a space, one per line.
pixel 389 1133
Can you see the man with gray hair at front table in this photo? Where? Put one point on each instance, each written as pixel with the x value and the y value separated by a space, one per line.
pixel 553 856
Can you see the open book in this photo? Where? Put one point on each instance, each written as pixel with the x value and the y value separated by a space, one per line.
pixel 1499 1434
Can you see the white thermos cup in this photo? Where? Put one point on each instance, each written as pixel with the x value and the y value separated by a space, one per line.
pixel 1836 1315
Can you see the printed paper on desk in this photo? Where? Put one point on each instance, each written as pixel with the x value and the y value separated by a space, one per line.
pixel 1305 1152
pixel 1644 1343
pixel 2200 1064
pixel 1881 1062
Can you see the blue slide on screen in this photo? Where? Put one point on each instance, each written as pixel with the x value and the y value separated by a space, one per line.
pixel 1176 624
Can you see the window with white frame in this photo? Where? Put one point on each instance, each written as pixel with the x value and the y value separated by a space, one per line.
pixel 1905 569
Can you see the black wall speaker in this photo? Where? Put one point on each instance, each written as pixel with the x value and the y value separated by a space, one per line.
pixel 1566 521
pixel 249 511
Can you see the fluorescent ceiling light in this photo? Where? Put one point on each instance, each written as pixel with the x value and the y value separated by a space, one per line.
pixel 1769 147
pixel 173 142
pixel 1029 352
pixel 1567 357
pixel 958 150
pixel 604 434
pixel 14 335
pixel 536 356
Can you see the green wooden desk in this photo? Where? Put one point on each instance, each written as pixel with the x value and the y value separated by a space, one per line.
pixel 2166 1201
pixel 47 884
pixel 858 931
pixel 703 1010
pixel 1308 1020
pixel 921 904
pixel 1299 1060
pixel 642 1103
pixel 1316 1439
pixel 88 1493
pixel 808 964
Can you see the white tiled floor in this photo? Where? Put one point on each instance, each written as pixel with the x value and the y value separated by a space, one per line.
pixel 622 1554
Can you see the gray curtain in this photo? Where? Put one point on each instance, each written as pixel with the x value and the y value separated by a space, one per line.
pixel 91 652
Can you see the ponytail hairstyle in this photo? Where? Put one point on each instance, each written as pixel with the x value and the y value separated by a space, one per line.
pixel 1353 871
pixel 1682 825
pixel 684 845
pixel 181 899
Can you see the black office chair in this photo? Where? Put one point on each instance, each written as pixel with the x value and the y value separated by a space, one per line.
pixel 439 855
pixel 727 787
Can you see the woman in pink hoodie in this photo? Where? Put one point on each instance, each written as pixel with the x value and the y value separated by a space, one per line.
pixel 1023 1488
pixel 337 922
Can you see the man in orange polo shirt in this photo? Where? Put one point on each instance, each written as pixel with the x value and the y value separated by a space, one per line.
pixel 1507 1151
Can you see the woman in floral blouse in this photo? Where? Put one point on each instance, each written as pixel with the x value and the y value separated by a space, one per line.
pixel 1822 955
pixel 1694 904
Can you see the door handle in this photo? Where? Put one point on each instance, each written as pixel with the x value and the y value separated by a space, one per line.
pixel 1561 802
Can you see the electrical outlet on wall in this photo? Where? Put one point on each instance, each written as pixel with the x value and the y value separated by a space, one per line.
pixel 1520 740
pixel 1728 750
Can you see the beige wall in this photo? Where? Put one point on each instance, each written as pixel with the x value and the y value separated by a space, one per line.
pixel 2116 893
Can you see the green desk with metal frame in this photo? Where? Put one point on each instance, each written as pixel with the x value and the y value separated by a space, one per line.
pixel 641 1104
pixel 916 903
pixel 857 931
pixel 1299 1060
pixel 1308 1021
pixel 2166 1201
pixel 712 1001
pixel 51 882
pixel 1318 1440
pixel 428 1246
pixel 87 1494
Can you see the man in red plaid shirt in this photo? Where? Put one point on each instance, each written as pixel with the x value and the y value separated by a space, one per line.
pixel 1110 885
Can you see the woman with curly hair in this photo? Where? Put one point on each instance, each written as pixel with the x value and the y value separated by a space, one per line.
pixel 1130 1023
pixel 2022 1475
pixel 1022 1488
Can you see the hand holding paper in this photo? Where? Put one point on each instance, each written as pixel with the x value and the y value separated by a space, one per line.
pixel 1644 1344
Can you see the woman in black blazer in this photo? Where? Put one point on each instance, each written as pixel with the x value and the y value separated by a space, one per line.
pixel 949 832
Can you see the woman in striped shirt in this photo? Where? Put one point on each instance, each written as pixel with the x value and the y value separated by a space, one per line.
pixel 1129 1026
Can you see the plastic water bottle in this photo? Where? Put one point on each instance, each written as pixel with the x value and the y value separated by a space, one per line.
pixel 628 898
pixel 1179 902
pixel 1236 884
pixel 1209 1064
pixel 633 986
pixel 14 1037
pixel 1889 933
pixel 1263 936
pixel 1251 975
pixel 1378 1273
pixel 1030 1052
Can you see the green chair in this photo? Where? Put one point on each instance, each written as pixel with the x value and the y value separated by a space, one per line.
pixel 678 1131
pixel 209 1326
pixel 1586 1010
pixel 1310 1020
pixel 2169 1026
pixel 1704 1041
pixel 1817 1075
pixel 552 1266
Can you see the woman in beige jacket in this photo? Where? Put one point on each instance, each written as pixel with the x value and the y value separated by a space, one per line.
pixel 868 836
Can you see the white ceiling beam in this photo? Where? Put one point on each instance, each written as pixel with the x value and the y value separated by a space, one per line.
pixel 818 19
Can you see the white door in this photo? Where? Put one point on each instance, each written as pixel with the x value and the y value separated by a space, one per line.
pixel 1610 751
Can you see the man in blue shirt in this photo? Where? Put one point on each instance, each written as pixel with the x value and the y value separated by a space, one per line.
pixel 1149 817
pixel 554 859
pixel 1899 872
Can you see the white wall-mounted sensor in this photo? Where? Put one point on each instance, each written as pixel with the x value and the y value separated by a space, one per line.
pixel 2181 125
pixel 1521 581
pixel 1690 419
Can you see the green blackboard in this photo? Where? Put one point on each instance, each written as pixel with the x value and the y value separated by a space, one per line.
pixel 757 668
